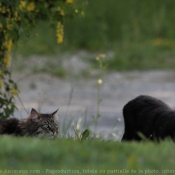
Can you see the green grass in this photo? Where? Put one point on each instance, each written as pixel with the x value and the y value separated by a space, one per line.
pixel 120 21
pixel 142 56
pixel 88 157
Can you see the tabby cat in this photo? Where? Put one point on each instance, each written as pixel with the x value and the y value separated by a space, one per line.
pixel 149 116
pixel 36 124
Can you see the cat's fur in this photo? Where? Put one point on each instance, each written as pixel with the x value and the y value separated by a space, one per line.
pixel 36 124
pixel 149 116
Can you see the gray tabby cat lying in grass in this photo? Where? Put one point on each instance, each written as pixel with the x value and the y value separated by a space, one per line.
pixel 36 124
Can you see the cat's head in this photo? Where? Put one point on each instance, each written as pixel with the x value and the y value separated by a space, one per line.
pixel 44 124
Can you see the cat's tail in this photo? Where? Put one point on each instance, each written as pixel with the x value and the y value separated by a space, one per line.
pixel 8 126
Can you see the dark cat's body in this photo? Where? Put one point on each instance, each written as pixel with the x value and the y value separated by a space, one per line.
pixel 35 124
pixel 150 117
pixel 10 126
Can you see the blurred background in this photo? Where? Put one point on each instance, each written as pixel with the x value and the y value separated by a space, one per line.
pixel 112 52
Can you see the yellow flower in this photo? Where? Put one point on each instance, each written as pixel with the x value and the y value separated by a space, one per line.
pixel 16 14
pixel 8 44
pixel 97 58
pixel 9 26
pixel 22 5
pixel 59 38
pixel 13 91
pixel 1 26
pixel 31 6
pixel 7 60
pixel 60 32
pixel 69 1
pixel 3 9
pixel 1 73
pixel 61 11
pixel 16 17
pixel 1 84
pixel 102 55
pixel 100 81
pixel 157 42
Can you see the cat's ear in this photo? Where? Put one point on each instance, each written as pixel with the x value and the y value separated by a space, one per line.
pixel 54 113
pixel 33 114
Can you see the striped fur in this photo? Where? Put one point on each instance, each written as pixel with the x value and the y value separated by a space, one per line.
pixel 36 124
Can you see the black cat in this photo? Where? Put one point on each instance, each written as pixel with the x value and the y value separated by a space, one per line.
pixel 149 116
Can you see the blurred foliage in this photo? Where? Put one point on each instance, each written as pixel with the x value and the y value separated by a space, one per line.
pixel 21 16
pixel 104 22
pixel 139 33
pixel 107 22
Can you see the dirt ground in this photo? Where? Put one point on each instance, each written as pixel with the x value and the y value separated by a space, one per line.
pixel 77 98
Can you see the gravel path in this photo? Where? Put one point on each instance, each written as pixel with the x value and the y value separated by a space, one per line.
pixel 78 98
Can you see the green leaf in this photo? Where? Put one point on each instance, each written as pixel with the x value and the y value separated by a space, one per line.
pixel 85 134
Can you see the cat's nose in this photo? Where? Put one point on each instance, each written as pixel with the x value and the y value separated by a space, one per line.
pixel 54 130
